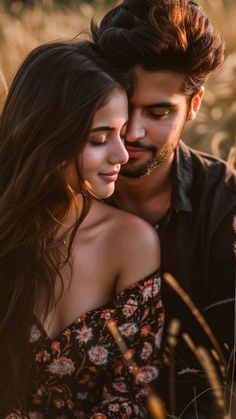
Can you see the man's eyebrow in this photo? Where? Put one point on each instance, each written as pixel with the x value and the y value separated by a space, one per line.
pixel 161 105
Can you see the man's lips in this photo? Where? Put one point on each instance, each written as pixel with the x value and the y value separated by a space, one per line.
pixel 135 152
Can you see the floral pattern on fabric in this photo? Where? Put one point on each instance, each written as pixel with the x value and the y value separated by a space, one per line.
pixel 17 415
pixel 82 373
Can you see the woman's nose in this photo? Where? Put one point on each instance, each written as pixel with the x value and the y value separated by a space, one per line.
pixel 119 153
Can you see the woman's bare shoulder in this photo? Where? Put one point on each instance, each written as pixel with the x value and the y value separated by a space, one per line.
pixel 133 243
pixel 119 221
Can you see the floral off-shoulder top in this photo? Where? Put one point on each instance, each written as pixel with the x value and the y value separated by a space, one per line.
pixel 82 373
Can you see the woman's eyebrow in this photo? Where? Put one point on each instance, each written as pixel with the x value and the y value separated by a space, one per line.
pixel 106 128
pixel 102 128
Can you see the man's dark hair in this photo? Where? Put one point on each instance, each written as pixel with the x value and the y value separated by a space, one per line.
pixel 169 35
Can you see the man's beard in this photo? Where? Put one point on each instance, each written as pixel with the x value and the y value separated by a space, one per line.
pixel 133 170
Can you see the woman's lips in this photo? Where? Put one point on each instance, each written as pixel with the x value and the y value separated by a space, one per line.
pixel 109 177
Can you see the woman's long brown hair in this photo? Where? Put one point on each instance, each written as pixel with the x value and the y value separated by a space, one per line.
pixel 44 125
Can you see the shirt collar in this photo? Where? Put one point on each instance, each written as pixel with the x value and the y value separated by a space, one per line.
pixel 183 177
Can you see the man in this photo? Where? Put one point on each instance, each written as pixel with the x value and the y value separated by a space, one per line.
pixel 171 48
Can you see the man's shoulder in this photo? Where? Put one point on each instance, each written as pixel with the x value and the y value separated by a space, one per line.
pixel 214 170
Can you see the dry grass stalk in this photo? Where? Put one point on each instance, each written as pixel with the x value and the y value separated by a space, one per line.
pixel 171 281
pixel 234 247
pixel 231 401
pixel 154 403
pixel 113 329
pixel 173 331
pixel 215 355
pixel 190 343
pixel 155 406
pixel 206 362
pixel 3 90
pixel 232 157
pixel 208 366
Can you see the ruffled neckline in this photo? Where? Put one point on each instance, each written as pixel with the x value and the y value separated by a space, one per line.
pixel 117 299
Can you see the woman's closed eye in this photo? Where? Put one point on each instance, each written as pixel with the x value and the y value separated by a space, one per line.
pixel 98 141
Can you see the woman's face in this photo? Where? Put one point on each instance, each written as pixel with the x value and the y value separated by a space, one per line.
pixel 104 152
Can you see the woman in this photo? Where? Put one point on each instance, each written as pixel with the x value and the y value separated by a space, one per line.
pixel 68 261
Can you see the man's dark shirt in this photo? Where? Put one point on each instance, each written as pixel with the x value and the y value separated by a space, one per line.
pixel 197 239
pixel 197 244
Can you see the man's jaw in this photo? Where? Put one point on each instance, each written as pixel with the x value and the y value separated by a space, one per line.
pixel 135 169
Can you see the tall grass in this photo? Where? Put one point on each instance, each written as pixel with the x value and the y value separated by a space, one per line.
pixel 22 29
pixel 214 130
pixel 220 385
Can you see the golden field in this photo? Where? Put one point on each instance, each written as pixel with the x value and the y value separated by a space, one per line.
pixel 214 131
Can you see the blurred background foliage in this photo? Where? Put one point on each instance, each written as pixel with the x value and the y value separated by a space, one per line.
pixel 24 24
pixel 214 130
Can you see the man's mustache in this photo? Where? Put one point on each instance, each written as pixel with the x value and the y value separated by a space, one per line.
pixel 138 144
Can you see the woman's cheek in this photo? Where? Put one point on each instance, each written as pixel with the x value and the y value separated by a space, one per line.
pixel 91 159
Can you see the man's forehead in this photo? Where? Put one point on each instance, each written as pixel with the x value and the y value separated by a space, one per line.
pixel 156 85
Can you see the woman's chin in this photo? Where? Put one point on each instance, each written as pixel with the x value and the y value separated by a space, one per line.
pixel 106 193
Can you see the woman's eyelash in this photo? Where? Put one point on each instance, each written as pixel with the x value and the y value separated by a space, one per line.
pixel 97 143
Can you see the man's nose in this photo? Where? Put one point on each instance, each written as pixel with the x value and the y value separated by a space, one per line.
pixel 135 129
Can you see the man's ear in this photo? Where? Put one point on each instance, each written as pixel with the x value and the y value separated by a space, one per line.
pixel 195 103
